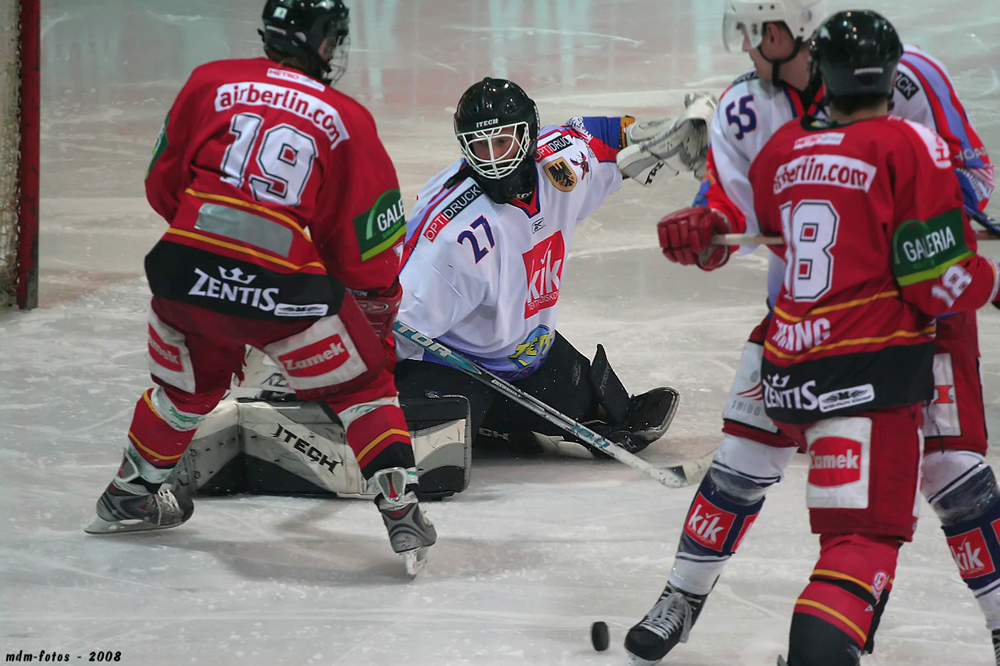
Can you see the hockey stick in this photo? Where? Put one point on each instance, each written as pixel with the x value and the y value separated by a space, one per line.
pixel 675 476
pixel 987 222
pixel 761 239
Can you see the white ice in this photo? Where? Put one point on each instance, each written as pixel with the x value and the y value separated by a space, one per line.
pixel 535 550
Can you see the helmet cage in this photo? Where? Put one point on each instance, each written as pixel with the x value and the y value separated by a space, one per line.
pixel 496 167
pixel 334 50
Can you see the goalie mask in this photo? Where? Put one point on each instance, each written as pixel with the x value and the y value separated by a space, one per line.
pixel 315 32
pixel 855 53
pixel 496 124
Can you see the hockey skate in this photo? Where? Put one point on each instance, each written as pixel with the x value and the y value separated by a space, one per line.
pixel 996 645
pixel 665 625
pixel 130 505
pixel 411 533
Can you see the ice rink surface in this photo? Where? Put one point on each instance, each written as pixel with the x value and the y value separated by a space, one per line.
pixel 536 549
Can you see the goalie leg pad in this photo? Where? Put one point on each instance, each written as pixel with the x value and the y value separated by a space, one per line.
pixel 295 448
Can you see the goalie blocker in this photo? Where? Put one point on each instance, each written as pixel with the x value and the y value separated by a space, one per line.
pixel 288 447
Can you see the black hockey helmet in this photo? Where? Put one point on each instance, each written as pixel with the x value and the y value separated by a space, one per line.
pixel 856 53
pixel 493 109
pixel 315 32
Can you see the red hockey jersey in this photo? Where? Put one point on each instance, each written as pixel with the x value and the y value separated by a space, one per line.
pixel 876 245
pixel 273 183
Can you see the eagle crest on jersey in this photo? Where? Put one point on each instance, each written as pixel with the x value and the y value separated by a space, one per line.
pixel 561 175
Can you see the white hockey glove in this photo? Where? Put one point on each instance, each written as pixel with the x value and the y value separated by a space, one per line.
pixel 667 147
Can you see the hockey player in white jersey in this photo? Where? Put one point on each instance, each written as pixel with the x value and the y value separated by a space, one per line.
pixel 485 256
pixel 957 482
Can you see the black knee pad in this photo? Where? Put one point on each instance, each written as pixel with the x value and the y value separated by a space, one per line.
pixel 815 642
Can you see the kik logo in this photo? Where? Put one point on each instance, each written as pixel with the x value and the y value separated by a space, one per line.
pixel 971 554
pixel 543 266
pixel 708 524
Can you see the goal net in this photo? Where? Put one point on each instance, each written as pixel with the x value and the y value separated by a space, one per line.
pixel 19 152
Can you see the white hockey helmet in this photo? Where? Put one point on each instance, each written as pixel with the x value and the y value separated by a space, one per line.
pixel 745 19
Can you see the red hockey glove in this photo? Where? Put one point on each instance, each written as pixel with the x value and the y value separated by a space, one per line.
pixel 686 237
pixel 380 308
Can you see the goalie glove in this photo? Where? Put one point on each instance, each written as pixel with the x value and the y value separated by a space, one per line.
pixel 686 237
pixel 670 146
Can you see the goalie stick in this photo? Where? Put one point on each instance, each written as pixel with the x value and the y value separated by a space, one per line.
pixel 674 476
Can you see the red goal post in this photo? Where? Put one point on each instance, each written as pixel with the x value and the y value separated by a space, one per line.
pixel 20 39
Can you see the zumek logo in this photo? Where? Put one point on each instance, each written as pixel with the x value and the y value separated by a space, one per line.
pixel 543 266
pixel 834 461
pixel 316 359
pixel 164 354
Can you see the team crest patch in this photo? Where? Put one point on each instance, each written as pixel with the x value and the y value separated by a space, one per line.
pixel 561 174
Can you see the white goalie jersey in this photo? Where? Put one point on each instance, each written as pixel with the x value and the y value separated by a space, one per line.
pixel 484 278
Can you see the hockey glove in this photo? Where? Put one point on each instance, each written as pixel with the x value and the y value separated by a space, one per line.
pixel 670 146
pixel 380 309
pixel 686 237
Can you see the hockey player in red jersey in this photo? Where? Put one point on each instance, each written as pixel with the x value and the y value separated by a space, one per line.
pixel 286 228
pixel 957 482
pixel 877 246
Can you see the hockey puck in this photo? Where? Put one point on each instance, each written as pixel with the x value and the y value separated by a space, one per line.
pixel 599 636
